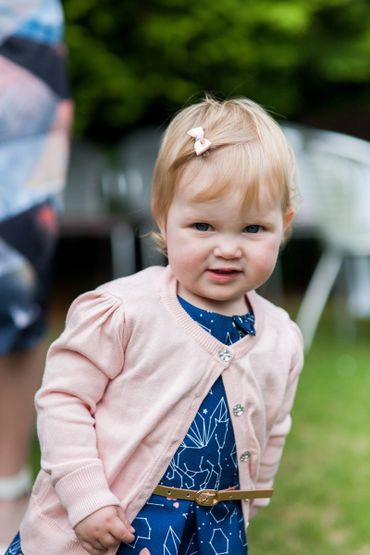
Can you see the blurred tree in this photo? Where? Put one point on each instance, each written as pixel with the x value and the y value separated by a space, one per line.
pixel 138 61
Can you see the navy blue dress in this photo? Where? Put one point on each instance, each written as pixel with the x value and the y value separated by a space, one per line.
pixel 206 459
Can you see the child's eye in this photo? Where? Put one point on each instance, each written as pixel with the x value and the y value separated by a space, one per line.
pixel 254 228
pixel 201 226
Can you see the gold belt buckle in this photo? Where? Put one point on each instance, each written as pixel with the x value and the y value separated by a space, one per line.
pixel 207 497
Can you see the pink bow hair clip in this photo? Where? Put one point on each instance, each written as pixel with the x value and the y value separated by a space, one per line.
pixel 201 143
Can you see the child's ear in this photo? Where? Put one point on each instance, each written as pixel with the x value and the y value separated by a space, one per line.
pixel 288 218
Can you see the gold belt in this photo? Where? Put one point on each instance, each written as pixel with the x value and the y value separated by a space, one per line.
pixel 210 497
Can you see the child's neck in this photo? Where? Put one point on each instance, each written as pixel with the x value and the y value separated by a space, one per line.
pixel 227 308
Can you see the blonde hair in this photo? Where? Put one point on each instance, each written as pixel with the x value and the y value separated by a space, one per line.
pixel 248 151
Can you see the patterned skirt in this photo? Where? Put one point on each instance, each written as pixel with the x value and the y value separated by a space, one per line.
pixel 206 459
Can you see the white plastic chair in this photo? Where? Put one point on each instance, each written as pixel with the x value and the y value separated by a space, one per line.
pixel 341 179
pixel 306 221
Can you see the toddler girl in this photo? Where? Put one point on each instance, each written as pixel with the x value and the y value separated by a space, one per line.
pixel 166 400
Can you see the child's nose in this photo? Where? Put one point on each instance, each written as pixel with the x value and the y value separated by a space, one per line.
pixel 228 248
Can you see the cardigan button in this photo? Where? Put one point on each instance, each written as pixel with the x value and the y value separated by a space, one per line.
pixel 225 355
pixel 244 457
pixel 238 410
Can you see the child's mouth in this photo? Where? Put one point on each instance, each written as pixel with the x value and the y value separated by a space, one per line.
pixel 223 274
pixel 224 271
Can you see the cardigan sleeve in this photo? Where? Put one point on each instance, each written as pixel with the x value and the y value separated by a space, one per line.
pixel 79 365
pixel 275 443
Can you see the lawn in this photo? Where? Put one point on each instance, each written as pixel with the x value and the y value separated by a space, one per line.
pixel 321 504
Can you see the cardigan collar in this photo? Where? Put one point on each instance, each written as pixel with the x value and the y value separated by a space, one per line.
pixel 168 294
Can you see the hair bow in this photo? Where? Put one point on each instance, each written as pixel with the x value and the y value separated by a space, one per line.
pixel 201 143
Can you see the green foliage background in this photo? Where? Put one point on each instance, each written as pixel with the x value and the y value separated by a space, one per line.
pixel 134 62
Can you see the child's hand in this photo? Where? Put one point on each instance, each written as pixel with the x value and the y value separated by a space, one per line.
pixel 105 528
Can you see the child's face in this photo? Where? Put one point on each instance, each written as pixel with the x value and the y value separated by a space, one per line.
pixel 218 251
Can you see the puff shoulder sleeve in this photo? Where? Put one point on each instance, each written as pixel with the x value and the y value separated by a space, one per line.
pixel 79 365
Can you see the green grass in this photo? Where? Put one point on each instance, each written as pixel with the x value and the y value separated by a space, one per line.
pixel 321 503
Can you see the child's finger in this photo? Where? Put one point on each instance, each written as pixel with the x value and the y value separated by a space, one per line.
pixel 127 536
pixel 109 540
pixel 92 549
pixel 121 530
pixel 122 516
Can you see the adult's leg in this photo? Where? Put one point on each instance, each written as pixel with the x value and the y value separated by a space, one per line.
pixel 20 376
pixel 26 248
